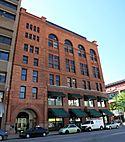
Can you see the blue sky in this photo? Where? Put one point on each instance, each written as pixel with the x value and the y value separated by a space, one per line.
pixel 100 20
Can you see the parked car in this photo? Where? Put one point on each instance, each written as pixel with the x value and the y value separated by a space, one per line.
pixel 3 135
pixel 70 128
pixel 92 125
pixel 112 125
pixel 34 132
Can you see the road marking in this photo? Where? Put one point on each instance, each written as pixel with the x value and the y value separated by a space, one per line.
pixel 119 133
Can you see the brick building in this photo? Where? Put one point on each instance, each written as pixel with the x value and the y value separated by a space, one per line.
pixel 9 15
pixel 56 77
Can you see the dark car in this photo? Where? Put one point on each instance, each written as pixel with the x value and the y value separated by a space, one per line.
pixel 3 135
pixel 34 132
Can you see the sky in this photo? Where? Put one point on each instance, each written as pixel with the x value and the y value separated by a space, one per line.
pixel 100 20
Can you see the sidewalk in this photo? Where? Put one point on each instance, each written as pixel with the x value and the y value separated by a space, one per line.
pixel 16 136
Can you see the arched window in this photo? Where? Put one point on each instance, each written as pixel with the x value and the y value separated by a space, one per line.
pixel 52 41
pixel 68 46
pixel 81 51
pixel 93 55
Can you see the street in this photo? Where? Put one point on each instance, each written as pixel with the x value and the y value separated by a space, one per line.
pixel 113 135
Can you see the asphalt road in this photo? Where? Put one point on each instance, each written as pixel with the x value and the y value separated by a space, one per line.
pixel 113 135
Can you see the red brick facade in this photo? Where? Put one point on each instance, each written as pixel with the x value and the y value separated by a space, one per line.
pixel 39 107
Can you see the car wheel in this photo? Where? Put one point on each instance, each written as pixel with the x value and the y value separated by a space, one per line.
pixel 66 132
pixel 44 134
pixel 101 128
pixel 27 135
pixel 1 138
pixel 78 130
pixel 90 129
pixel 117 127
pixel 110 127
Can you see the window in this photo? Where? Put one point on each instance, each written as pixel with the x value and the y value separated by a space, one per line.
pixel 5 40
pixel 93 55
pixel 34 37
pixel 35 76
pixel 54 61
pixel 26 47
pixel 36 62
pixel 34 92
pixel 69 82
pixel 22 92
pixel 25 59
pixel 7 4
pixel 31 49
pixel 95 72
pixel 24 74
pixel 34 28
pixel 74 102
pixel 30 36
pixel 97 87
pixel 51 79
pixel 4 56
pixel 84 84
pixel 68 46
pixel 88 85
pixel 1 96
pixel 2 77
pixel 38 29
pixel 70 66
pixel 26 35
pixel 31 27
pixel 52 41
pixel 100 87
pixel 89 103
pixel 36 50
pixel 55 101
pixel 38 38
pixel 7 15
pixel 74 85
pixel 101 104
pixel 57 80
pixel 84 69
pixel 27 25
pixel 81 51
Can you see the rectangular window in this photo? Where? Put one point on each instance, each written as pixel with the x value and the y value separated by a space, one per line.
pixel 36 62
pixel 38 38
pixel 27 25
pixel 97 86
pixel 35 76
pixel 53 61
pixel 7 15
pixel 38 29
pixel 1 96
pixel 89 85
pixel 52 101
pixel 84 69
pixel 100 87
pixel 26 47
pixel 4 56
pixel 74 84
pixel 34 92
pixel 69 82
pixel 24 74
pixel 30 36
pixel 22 92
pixel 2 77
pixel 51 79
pixel 31 49
pixel 25 59
pixel 36 50
pixel 75 102
pixel 7 4
pixel 57 80
pixel 5 40
pixel 26 35
pixel 70 66
pixel 31 27
pixel 34 28
pixel 84 84
pixel 34 37
pixel 95 72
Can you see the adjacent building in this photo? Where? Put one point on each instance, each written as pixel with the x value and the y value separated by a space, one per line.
pixel 9 15
pixel 113 89
pixel 56 77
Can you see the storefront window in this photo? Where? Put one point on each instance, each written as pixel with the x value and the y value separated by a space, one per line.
pixel 75 102
pixel 55 101
pixel 55 123
pixel 1 96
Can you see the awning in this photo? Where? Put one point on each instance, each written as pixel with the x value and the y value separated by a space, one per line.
pixel 94 113
pixel 102 98
pixel 78 112
pixel 59 112
pixel 71 96
pixel 1 108
pixel 89 97
pixel 106 112
pixel 56 94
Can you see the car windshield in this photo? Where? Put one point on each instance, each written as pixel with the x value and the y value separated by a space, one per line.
pixel 87 122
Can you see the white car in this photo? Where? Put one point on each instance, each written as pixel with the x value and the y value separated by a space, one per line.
pixel 111 125
pixel 70 128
